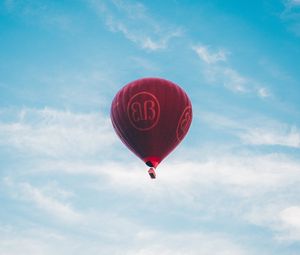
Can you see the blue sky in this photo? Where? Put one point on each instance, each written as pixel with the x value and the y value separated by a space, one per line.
pixel 69 186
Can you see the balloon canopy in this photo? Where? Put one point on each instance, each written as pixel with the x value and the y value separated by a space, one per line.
pixel 151 116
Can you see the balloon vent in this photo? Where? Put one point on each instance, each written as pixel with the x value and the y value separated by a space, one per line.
pixel 152 173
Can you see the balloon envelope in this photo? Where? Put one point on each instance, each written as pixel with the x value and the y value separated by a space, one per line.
pixel 151 116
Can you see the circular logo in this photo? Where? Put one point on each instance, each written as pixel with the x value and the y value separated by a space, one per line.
pixel 184 123
pixel 143 111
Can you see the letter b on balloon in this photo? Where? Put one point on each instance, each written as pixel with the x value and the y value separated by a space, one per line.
pixel 143 111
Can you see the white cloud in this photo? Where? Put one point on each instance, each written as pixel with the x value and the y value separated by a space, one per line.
pixel 234 81
pixel 204 188
pixel 279 215
pixel 56 133
pixel 198 189
pixel 113 231
pixel 217 71
pixel 282 135
pixel 291 217
pixel 12 245
pixel 210 57
pixel 144 241
pixel 241 175
pixel 133 21
pixel 227 77
pixel 258 131
pixel 185 243
pixel 44 199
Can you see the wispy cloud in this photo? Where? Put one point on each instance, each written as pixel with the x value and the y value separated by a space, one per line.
pixel 45 200
pixel 280 214
pixel 234 81
pixel 259 131
pixel 217 71
pixel 185 243
pixel 210 57
pixel 56 133
pixel 14 241
pixel 284 135
pixel 143 241
pixel 133 21
pixel 240 174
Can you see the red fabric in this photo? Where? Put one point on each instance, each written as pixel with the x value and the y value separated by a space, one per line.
pixel 151 116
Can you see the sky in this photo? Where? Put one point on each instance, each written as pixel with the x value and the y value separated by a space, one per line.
pixel 67 183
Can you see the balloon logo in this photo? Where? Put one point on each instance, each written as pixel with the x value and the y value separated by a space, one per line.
pixel 143 110
pixel 184 123
pixel 151 116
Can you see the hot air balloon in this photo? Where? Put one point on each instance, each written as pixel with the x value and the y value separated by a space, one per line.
pixel 151 116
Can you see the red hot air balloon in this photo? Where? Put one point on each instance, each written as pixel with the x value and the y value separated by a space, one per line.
pixel 151 116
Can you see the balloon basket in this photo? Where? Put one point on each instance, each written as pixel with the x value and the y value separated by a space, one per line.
pixel 152 173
